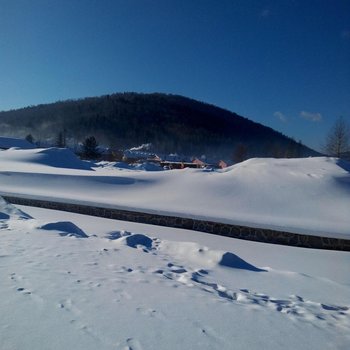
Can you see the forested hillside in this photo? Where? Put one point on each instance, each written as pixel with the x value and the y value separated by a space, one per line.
pixel 171 123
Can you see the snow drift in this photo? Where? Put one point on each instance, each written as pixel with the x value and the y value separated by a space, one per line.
pixel 309 195
pixel 45 157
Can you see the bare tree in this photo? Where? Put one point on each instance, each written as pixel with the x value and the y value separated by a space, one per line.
pixel 240 153
pixel 338 138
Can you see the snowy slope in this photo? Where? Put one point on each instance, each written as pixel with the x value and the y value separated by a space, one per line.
pixel 309 195
pixel 73 281
pixel 9 142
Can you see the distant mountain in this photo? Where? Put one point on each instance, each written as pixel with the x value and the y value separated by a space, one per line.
pixel 171 123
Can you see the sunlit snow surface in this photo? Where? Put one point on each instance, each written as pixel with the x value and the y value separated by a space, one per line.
pixel 70 281
pixel 310 195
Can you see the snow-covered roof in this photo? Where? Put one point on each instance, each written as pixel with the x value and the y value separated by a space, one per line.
pixel 9 142
pixel 139 155
pixel 198 162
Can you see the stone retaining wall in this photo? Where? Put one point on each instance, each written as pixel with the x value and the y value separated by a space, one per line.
pixel 228 230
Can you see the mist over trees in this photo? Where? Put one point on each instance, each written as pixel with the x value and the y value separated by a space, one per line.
pixel 171 123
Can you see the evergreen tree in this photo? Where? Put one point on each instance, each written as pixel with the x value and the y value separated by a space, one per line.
pixel 61 139
pixel 30 138
pixel 90 148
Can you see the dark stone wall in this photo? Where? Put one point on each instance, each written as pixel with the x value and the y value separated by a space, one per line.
pixel 227 230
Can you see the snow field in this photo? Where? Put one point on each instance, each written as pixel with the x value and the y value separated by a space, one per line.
pixel 309 195
pixel 73 281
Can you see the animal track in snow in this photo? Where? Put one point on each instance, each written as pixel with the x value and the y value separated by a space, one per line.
pixel 23 290
pixel 149 312
pixel 292 306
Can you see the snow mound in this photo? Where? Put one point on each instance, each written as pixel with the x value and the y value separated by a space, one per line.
pixel 9 211
pixel 61 158
pixel 184 250
pixel 52 157
pixel 134 240
pixel 11 142
pixel 137 239
pixel 203 256
pixel 65 228
pixel 231 260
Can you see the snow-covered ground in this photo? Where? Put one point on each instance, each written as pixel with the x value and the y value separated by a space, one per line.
pixel 9 142
pixel 70 281
pixel 309 195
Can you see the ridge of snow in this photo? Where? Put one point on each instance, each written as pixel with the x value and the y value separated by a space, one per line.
pixel 309 195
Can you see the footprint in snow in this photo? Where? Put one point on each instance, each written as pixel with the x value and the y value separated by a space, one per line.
pixel 293 306
pixel 117 235
pixel 23 291
pixel 147 311
pixel 133 344
pixel 176 268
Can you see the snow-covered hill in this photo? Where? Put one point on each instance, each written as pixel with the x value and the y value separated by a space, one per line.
pixel 309 195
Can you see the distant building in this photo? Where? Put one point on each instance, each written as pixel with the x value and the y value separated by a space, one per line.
pixel 9 142
pixel 199 163
pixel 173 157
pixel 222 164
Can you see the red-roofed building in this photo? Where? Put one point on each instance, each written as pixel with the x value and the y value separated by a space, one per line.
pixel 222 164
pixel 199 163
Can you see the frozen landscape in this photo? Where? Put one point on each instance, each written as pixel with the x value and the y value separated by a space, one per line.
pixel 74 281
pixel 308 195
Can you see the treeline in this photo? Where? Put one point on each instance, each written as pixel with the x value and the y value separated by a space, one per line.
pixel 171 123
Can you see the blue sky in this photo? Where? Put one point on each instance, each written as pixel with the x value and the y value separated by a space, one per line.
pixel 285 64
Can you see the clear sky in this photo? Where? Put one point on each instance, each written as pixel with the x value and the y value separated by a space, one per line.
pixel 283 63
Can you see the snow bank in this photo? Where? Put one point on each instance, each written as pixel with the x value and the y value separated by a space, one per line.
pixel 308 195
pixel 60 158
pixel 38 159
pixel 10 142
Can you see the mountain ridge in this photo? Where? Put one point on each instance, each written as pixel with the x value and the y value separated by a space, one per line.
pixel 172 123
